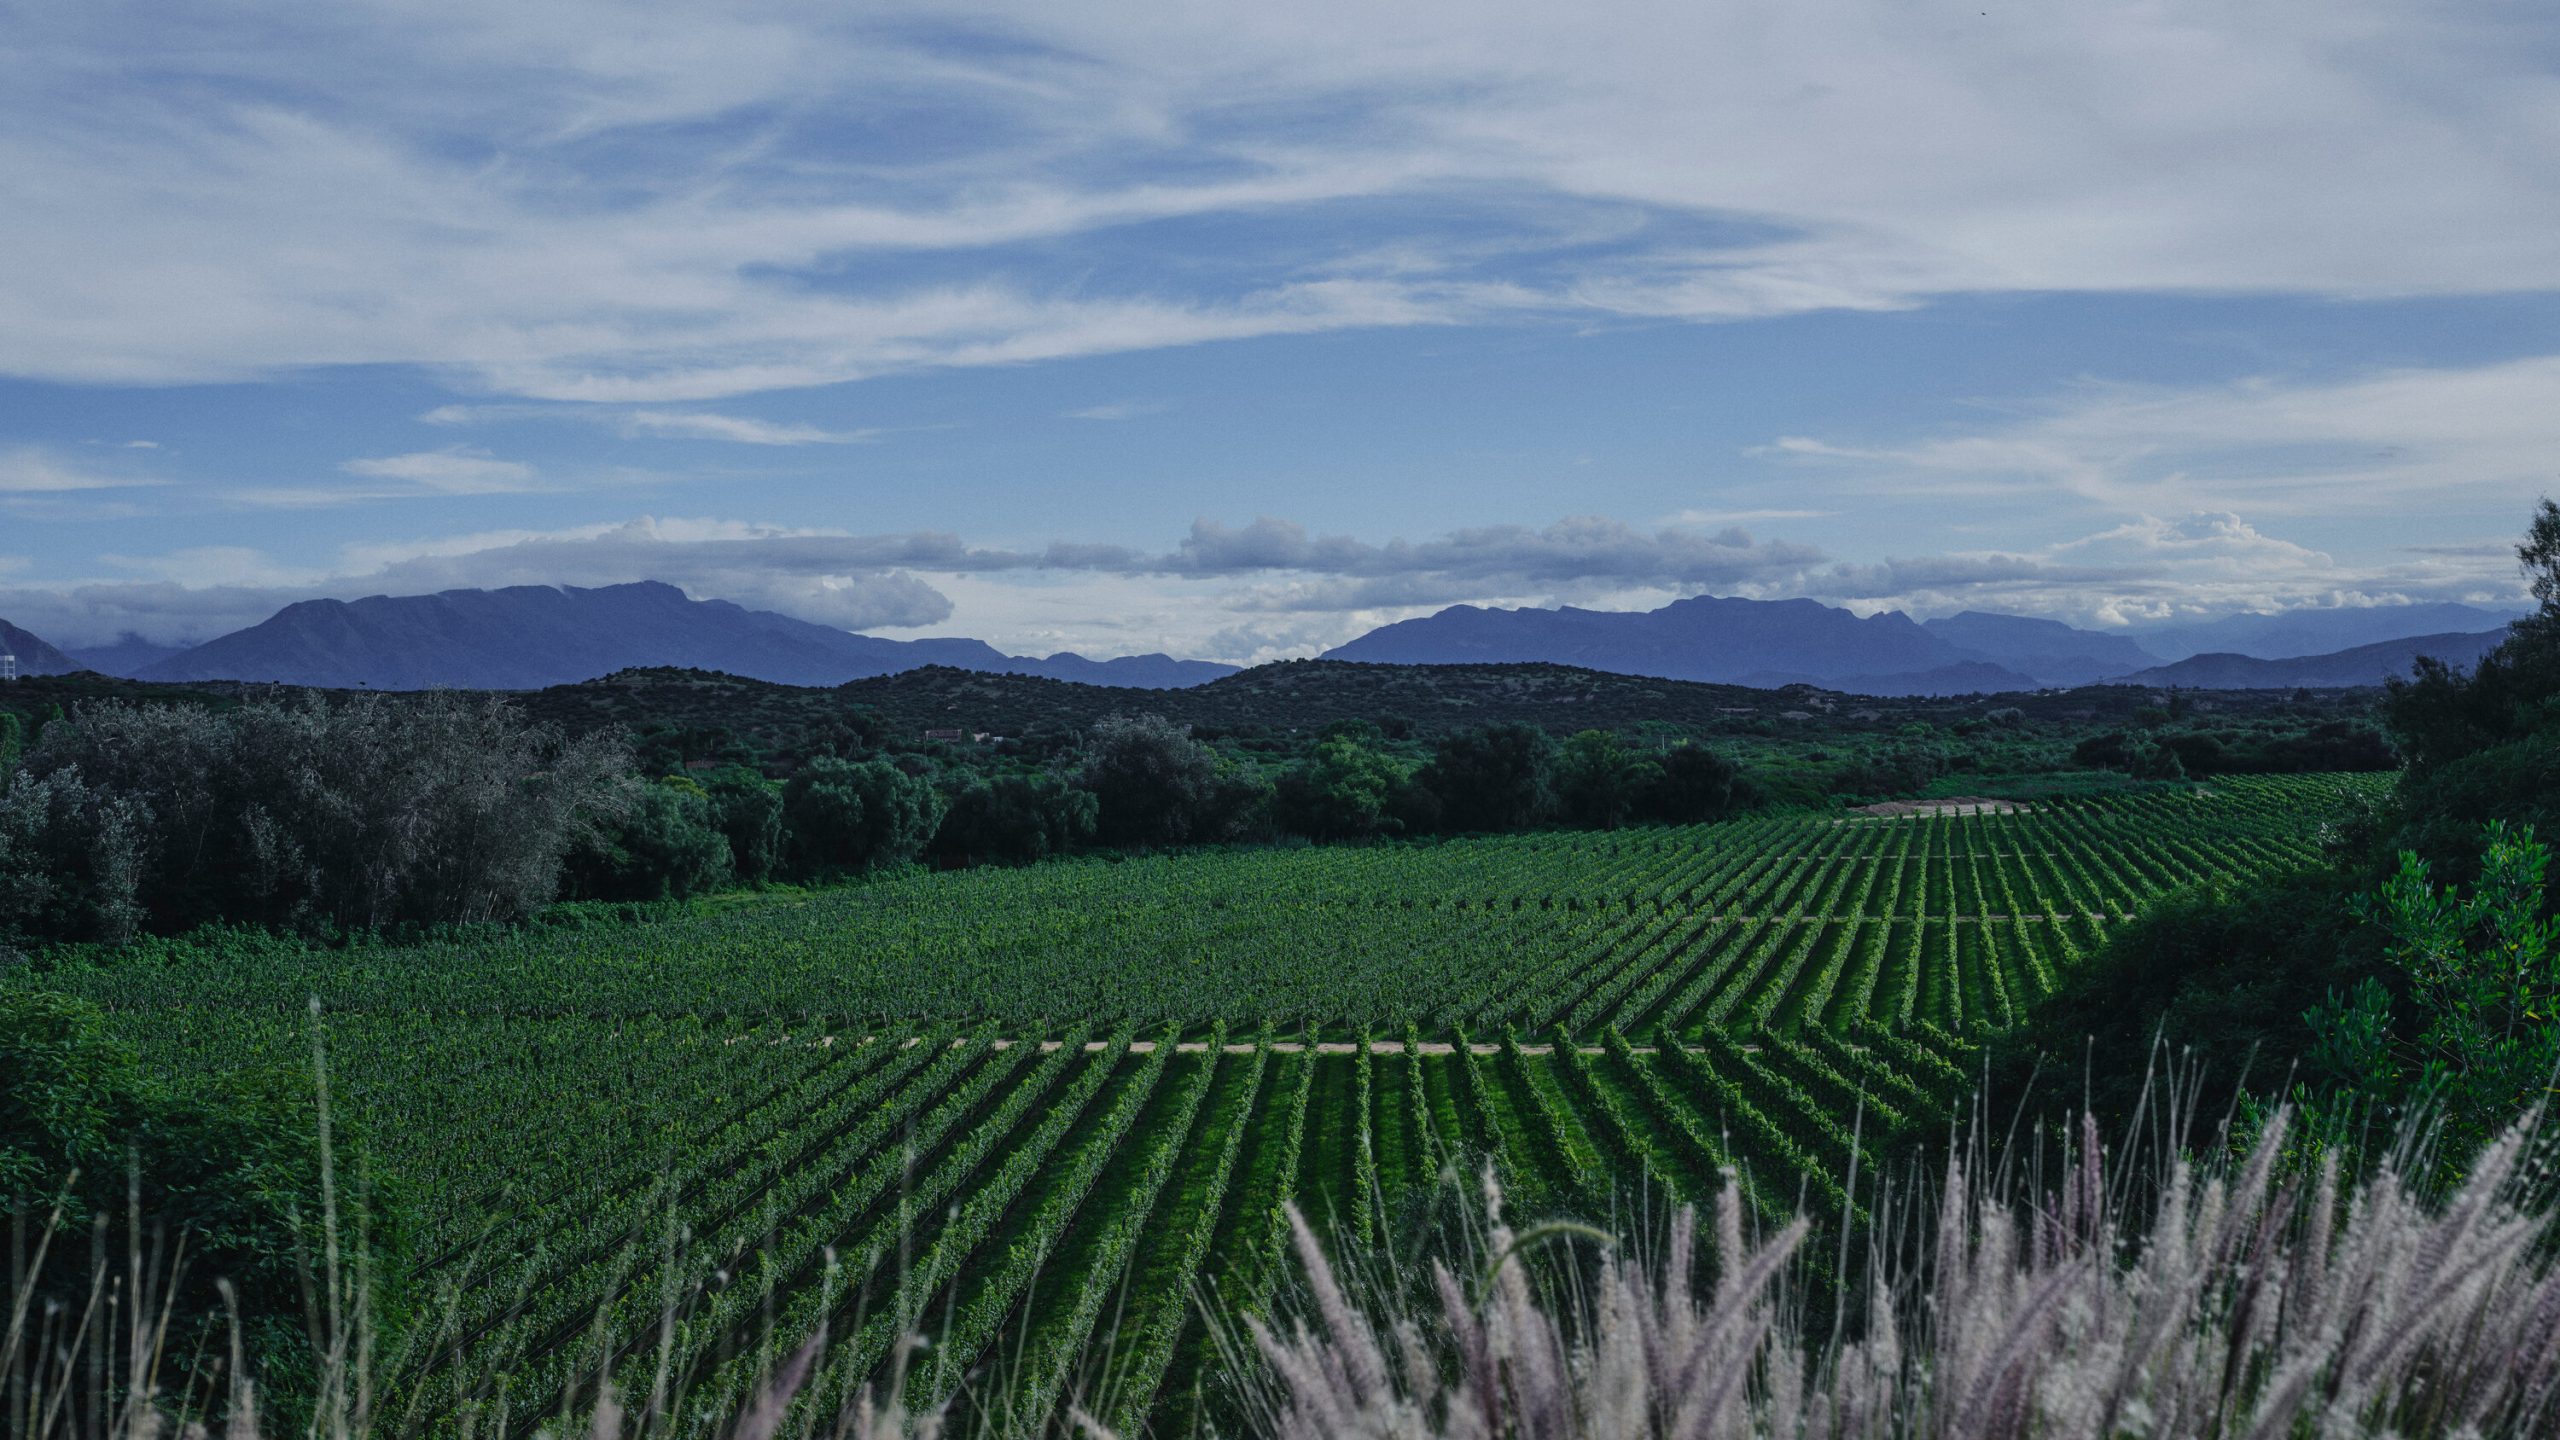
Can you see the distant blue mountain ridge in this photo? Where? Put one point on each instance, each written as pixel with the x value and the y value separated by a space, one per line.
pixel 2290 633
pixel 2360 665
pixel 1777 642
pixel 526 637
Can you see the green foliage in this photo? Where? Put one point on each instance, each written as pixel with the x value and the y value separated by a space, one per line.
pixel 1693 784
pixel 72 859
pixel 13 740
pixel 1158 786
pixel 667 844
pixel 229 1166
pixel 1344 789
pixel 2159 762
pixel 1598 780
pixel 2202 749
pixel 2480 1039
pixel 2218 974
pixel 747 808
pixel 1016 819
pixel 1498 778
pixel 844 815
pixel 358 815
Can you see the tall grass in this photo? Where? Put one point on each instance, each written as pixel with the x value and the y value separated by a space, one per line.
pixel 2244 1302
pixel 2213 1299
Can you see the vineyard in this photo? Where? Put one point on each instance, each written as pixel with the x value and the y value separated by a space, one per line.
pixel 1036 1112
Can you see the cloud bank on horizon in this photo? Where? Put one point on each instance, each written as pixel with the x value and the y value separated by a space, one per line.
pixel 958 316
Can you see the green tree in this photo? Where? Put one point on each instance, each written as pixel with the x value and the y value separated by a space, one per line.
pixel 1158 786
pixel 1692 784
pixel 1015 819
pixel 2159 762
pixel 842 815
pixel 73 859
pixel 1498 778
pixel 748 810
pixel 666 845
pixel 1598 779
pixel 354 814
pixel 1343 789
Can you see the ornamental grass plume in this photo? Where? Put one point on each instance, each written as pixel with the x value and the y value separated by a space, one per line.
pixel 2246 1304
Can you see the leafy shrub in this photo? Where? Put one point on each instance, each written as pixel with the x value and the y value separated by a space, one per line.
pixel 2477 1039
pixel 231 1170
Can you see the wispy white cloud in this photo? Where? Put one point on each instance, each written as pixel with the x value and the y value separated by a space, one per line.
pixel 457 186
pixel 451 472
pixel 2381 441
pixel 1116 410
pixel 659 424
pixel 35 470
pixel 737 429
pixel 1742 517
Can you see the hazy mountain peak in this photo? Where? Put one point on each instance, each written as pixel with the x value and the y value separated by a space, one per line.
pixel 35 657
pixel 525 637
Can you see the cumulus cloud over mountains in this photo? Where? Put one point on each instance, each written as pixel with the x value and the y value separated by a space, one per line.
pixel 1254 591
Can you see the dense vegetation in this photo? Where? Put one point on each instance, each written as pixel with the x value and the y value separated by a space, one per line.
pixel 369 814
pixel 1070 1094
pixel 2411 975
pixel 357 815
pixel 223 1160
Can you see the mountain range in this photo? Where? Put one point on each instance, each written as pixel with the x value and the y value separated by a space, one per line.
pixel 2359 665
pixel 1767 643
pixel 527 637
pixel 127 655
pixel 1764 643
pixel 2290 633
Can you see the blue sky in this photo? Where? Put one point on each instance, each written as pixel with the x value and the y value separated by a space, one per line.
pixel 1169 327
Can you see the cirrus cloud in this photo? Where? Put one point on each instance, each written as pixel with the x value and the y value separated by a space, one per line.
pixel 563 205
pixel 450 472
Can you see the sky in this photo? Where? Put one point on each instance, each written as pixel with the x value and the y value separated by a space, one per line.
pixel 1234 332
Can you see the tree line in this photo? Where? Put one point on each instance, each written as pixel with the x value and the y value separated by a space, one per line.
pixel 366 814
pixel 1134 782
